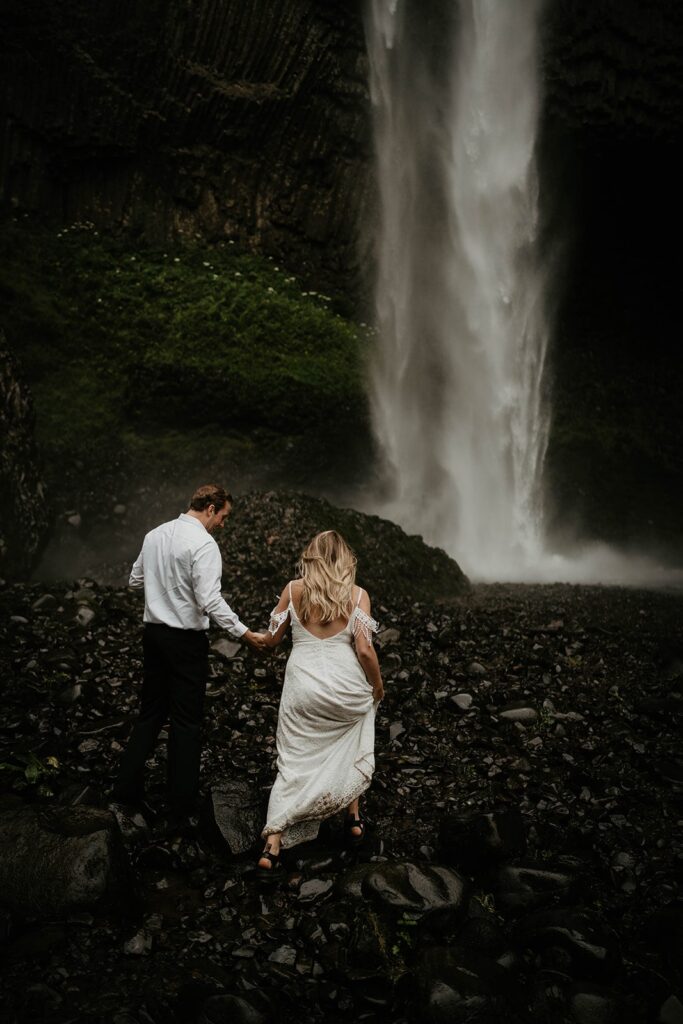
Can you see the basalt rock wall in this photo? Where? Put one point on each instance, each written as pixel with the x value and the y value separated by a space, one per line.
pixel 24 516
pixel 216 119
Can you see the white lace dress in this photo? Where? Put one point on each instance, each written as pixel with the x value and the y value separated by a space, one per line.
pixel 325 730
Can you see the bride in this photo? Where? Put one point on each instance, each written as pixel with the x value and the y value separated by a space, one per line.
pixel 333 684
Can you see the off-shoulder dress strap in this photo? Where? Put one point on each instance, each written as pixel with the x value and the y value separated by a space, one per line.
pixel 360 594
pixel 362 623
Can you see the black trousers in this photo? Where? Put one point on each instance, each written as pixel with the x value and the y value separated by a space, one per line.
pixel 176 668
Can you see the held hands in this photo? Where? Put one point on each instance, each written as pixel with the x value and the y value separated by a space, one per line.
pixel 257 641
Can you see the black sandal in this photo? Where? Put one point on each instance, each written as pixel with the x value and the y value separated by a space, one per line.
pixel 275 864
pixel 350 823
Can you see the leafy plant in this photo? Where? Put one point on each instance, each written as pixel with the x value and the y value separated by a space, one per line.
pixel 32 767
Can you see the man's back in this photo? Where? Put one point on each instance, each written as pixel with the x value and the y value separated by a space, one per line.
pixel 167 568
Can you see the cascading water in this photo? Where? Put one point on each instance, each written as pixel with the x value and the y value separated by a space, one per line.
pixel 457 382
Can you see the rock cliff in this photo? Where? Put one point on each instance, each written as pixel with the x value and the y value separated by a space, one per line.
pixel 217 119
pixel 23 511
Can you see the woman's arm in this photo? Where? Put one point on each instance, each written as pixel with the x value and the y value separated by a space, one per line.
pixel 365 652
pixel 279 621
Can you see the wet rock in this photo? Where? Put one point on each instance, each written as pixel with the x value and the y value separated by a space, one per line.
pixel 462 701
pixel 529 886
pixel 139 945
pixel 475 668
pixel 387 637
pixel 671 770
pixel 133 826
pixel 71 693
pixel 671 1011
pixel 482 934
pixel 235 810
pixel 54 859
pixel 229 1009
pixel 283 955
pixel 452 987
pixel 404 887
pixel 558 1000
pixel 350 884
pixel 518 711
pixel 664 931
pixel 84 615
pixel 226 648
pixel 314 857
pixel 315 889
pixel 573 941
pixel 474 841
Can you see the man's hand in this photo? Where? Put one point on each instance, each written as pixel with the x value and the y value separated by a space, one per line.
pixel 255 640
pixel 378 692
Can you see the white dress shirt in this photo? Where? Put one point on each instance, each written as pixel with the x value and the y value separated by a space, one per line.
pixel 180 567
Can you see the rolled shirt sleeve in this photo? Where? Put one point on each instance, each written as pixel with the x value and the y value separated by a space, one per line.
pixel 137 574
pixel 207 569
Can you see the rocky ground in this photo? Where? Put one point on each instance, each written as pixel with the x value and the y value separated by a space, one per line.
pixel 524 858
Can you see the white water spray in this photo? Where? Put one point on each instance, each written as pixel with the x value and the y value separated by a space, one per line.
pixel 458 380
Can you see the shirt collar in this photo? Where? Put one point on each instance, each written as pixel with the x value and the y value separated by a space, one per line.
pixel 191 519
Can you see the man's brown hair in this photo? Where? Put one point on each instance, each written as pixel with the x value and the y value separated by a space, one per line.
pixel 209 494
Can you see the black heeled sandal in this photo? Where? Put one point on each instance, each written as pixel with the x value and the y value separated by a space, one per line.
pixel 350 823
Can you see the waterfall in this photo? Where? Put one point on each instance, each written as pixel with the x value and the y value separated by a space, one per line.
pixel 457 381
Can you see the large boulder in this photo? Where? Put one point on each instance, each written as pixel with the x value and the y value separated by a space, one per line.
pixel 56 859
pixel 268 532
pixel 24 516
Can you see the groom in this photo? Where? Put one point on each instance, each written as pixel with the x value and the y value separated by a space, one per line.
pixel 180 569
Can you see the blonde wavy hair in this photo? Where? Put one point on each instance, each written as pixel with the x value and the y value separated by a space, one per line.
pixel 327 568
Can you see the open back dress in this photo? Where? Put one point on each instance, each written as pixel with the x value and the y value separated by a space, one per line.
pixel 325 730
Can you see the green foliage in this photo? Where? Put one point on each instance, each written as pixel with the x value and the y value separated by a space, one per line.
pixel 118 339
pixel 33 769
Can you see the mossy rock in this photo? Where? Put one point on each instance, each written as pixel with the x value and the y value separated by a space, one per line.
pixel 268 531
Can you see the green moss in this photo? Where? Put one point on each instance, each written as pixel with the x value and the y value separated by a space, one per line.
pixel 121 342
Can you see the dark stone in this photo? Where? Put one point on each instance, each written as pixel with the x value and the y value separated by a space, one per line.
pixel 403 887
pixel 55 859
pixel 315 889
pixel 235 809
pixel 475 841
pixel 452 987
pixel 229 1009
pixel 482 934
pixel 574 941
pixel 528 886
pixel 293 518
pixel 671 1011
pixel 664 931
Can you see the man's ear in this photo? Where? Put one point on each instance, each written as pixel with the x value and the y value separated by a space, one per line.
pixel 211 510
